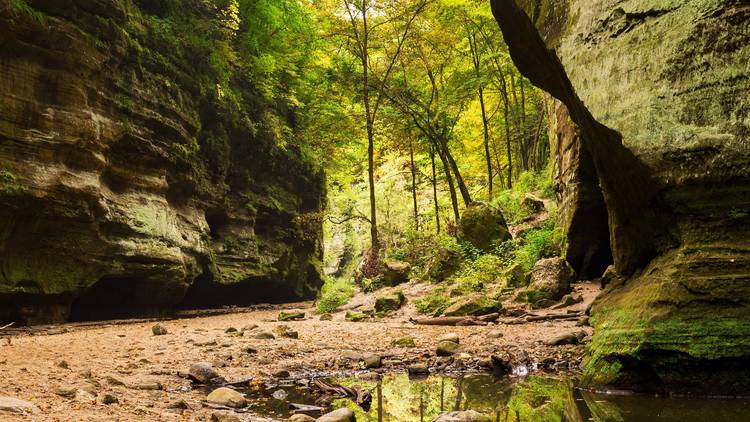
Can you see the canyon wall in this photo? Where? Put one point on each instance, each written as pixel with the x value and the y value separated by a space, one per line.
pixel 654 102
pixel 127 186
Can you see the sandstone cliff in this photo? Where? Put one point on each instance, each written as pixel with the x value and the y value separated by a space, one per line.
pixel 125 187
pixel 653 135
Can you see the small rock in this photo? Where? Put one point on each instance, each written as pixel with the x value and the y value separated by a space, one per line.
pixel 373 361
pixel 204 373
pixel 224 417
pixel 285 331
pixel 280 394
pixel 264 335
pixel 419 369
pixel 464 356
pixel 227 397
pixel 158 330
pixel 230 330
pixel 291 315
pixel 301 418
pixel 249 350
pixel 463 416
pixel 447 348
pixel 83 396
pixel 145 385
pixel 281 374
pixel 495 334
pixel 67 392
pixel 179 405
pixel 63 364
pixel 324 317
pixel 567 338
pixel 14 405
pixel 113 381
pixel 449 337
pixel 109 399
pixel 568 300
pixel 249 327
pixel 406 341
pixel 340 415
pixel 583 321
pixel 355 316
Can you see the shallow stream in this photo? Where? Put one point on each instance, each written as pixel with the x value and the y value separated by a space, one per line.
pixel 399 398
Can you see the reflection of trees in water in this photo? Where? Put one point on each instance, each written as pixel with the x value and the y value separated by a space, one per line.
pixel 533 399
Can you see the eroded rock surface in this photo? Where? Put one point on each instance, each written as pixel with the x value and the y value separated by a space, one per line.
pixel 124 190
pixel 656 95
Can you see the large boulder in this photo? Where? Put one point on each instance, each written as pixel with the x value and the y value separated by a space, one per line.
pixel 483 225
pixel 395 271
pixel 550 281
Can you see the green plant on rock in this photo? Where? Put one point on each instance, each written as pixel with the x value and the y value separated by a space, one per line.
pixel 9 182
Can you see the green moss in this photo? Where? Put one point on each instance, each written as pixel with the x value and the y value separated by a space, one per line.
pixel 334 294
pixel 9 182
pixel 433 303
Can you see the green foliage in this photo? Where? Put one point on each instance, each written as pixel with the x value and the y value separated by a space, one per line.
pixel 22 6
pixel 9 182
pixel 509 200
pixel 543 242
pixel 334 294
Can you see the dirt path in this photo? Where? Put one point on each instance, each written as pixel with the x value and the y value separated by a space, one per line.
pixel 100 357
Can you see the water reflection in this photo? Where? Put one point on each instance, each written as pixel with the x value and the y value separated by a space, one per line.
pixel 398 398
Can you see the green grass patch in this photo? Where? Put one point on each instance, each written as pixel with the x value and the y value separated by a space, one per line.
pixel 434 303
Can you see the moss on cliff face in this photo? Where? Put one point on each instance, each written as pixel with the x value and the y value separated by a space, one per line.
pixel 666 79
pixel 134 156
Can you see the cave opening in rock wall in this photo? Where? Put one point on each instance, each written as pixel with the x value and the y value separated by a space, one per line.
pixel 120 297
pixel 205 293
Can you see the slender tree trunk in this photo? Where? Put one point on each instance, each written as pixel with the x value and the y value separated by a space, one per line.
pixel 375 241
pixel 477 73
pixel 414 185
pixel 525 141
pixel 449 179
pixel 434 189
pixel 454 167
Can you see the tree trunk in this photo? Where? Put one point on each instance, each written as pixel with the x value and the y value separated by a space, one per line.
pixel 454 167
pixel 434 188
pixel 477 73
pixel 414 185
pixel 449 179
pixel 375 241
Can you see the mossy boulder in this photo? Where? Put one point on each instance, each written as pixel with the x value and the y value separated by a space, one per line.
pixel 550 281
pixel 355 316
pixel 406 341
pixel 395 272
pixel 391 302
pixel 532 204
pixel 474 304
pixel 483 225
pixel 291 315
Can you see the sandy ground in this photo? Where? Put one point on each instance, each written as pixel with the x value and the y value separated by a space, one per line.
pixel 99 357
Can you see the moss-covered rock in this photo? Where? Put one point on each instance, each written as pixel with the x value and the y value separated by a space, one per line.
pixel 474 304
pixel 391 302
pixel 550 281
pixel 356 316
pixel 395 272
pixel 483 225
